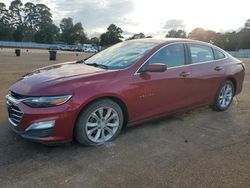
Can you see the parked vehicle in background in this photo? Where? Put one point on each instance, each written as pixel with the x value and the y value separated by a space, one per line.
pixel 53 47
pixel 78 48
pixel 92 50
pixel 126 84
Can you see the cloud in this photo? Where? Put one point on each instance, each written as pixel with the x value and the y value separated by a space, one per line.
pixel 126 32
pixel 173 24
pixel 96 15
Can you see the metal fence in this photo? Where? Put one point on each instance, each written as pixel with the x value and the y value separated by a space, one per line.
pixel 23 45
pixel 240 53
pixel 80 47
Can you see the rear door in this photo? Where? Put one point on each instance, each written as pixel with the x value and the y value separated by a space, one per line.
pixel 207 72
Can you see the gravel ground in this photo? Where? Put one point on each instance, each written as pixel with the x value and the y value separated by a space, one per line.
pixel 198 148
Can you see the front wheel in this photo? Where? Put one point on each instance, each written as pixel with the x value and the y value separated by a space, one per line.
pixel 224 96
pixel 99 123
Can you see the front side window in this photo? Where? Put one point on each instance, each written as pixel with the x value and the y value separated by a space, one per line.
pixel 200 53
pixel 172 56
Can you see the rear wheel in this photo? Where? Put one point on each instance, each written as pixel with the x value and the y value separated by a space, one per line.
pixel 224 96
pixel 99 123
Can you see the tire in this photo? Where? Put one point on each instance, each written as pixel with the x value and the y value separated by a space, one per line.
pixel 99 123
pixel 224 96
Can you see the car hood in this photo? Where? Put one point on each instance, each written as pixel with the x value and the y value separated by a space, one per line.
pixel 57 78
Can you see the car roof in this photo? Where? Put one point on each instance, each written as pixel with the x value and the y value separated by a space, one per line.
pixel 164 41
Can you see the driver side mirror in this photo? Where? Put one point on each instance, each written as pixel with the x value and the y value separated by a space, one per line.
pixel 156 67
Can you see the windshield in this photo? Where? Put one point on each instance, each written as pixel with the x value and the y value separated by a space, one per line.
pixel 121 55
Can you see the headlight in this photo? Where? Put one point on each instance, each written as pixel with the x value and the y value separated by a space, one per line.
pixel 39 102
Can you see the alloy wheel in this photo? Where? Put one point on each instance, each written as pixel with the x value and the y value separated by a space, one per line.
pixel 102 124
pixel 226 95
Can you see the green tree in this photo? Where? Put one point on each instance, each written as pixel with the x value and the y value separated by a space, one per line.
pixel 95 41
pixel 104 40
pixel 227 41
pixel 15 12
pixel 6 30
pixel 247 24
pixel 18 34
pixel 244 38
pixel 176 34
pixel 198 34
pixel 220 40
pixel 67 26
pixel 47 32
pixel 30 15
pixel 78 34
pixel 137 36
pixel 31 22
pixel 44 17
pixel 30 19
pixel 72 34
pixel 203 35
pixel 231 42
pixel 4 16
pixel 16 19
pixel 112 36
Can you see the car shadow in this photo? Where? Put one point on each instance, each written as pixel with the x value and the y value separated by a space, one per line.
pixel 14 149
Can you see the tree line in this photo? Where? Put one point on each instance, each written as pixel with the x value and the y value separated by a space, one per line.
pixel 230 41
pixel 31 22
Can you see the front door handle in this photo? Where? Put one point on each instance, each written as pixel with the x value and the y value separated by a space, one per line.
pixel 218 68
pixel 185 74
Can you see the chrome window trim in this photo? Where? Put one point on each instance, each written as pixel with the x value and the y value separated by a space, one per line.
pixel 185 65
pixel 204 62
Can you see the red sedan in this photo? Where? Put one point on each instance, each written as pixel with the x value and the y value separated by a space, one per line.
pixel 126 84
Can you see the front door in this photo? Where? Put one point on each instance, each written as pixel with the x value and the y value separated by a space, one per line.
pixel 162 92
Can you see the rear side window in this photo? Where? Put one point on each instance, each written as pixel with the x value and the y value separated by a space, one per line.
pixel 218 54
pixel 172 56
pixel 200 53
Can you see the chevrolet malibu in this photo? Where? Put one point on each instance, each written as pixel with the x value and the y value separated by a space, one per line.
pixel 129 83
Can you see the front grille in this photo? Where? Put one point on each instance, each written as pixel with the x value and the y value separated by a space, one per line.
pixel 15 114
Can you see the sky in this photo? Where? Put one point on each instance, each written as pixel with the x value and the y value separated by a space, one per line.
pixel 152 17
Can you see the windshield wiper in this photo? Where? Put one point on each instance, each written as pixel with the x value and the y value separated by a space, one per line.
pixel 93 64
pixel 81 61
pixel 97 65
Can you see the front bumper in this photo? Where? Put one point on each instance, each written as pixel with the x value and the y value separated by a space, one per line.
pixel 63 116
pixel 36 135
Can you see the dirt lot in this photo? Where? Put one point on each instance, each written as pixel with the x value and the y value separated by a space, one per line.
pixel 199 148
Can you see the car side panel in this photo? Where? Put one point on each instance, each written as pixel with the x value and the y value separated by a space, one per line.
pixel 236 71
pixel 155 93
pixel 206 80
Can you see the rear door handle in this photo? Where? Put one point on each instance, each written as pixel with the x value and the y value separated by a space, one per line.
pixel 218 68
pixel 185 74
